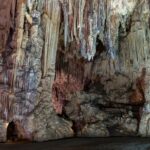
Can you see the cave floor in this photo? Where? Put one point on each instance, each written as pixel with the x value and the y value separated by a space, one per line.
pixel 113 143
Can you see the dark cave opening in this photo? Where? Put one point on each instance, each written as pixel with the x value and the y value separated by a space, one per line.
pixel 12 134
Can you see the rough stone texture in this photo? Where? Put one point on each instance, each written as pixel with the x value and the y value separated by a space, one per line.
pixel 28 73
pixel 74 67
pixel 3 127
pixel 115 82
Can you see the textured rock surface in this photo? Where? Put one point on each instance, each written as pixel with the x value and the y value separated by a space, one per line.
pixel 74 67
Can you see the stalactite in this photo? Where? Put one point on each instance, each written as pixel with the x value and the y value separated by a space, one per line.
pixel 66 28
pixel 6 100
pixel 52 17
pixel 19 57
pixel 85 20
pixel 81 21
pixel 20 30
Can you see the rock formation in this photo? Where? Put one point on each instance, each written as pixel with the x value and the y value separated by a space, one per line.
pixel 74 68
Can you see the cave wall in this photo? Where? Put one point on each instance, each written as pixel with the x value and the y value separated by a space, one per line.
pixel 74 68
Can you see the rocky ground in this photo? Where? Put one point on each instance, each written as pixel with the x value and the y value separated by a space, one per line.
pixel 126 143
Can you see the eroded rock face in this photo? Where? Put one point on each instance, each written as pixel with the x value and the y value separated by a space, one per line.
pixel 74 68
pixel 114 83
pixel 28 72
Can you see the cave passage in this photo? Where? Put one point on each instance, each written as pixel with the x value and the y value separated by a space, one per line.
pixel 12 134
